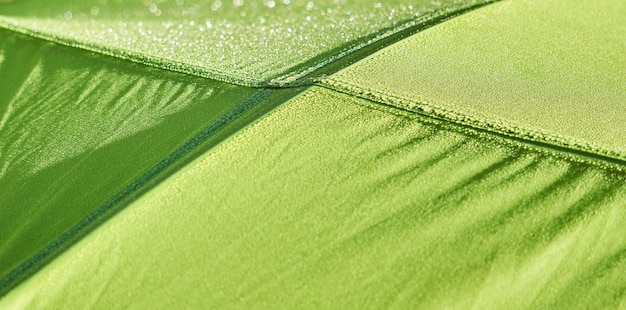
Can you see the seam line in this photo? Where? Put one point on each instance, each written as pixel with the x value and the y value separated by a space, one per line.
pixel 595 155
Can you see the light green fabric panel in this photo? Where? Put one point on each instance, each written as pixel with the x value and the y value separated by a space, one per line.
pixel 242 41
pixel 335 202
pixel 80 132
pixel 550 71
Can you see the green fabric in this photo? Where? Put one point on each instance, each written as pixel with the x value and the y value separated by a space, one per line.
pixel 549 71
pixel 335 202
pixel 247 42
pixel 329 201
pixel 79 132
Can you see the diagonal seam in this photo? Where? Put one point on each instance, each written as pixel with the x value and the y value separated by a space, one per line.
pixel 115 203
pixel 344 56
pixel 152 61
pixel 297 79
pixel 337 58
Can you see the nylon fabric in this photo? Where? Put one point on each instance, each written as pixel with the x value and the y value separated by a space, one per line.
pixel 331 201
pixel 77 128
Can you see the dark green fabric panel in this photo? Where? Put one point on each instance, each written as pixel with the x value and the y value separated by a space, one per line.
pixel 77 128
pixel 336 202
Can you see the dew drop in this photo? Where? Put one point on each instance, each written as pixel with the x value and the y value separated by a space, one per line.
pixel 216 5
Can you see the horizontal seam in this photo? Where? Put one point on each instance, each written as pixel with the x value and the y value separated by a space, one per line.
pixel 613 159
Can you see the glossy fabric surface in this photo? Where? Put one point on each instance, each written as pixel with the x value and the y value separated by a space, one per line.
pixel 78 129
pixel 336 202
pixel 475 164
